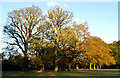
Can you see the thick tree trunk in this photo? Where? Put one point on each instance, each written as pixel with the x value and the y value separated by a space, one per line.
pixel 90 65
pixel 94 66
pixel 26 57
pixel 70 66
pixel 77 68
pixel 25 63
pixel 56 68
pixel 42 69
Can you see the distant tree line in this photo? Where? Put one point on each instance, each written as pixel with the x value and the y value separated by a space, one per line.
pixel 53 42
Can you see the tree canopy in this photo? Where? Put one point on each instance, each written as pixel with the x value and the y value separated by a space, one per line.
pixel 53 40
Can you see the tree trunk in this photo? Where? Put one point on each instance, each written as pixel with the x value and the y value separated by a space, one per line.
pixel 90 66
pixel 26 62
pixel 26 48
pixel 97 66
pixel 85 67
pixel 56 68
pixel 70 66
pixel 42 69
pixel 56 61
pixel 77 68
pixel 100 66
pixel 94 66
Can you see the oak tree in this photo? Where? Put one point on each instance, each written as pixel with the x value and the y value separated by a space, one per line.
pixel 23 25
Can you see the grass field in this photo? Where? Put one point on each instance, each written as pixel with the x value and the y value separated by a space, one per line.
pixel 102 72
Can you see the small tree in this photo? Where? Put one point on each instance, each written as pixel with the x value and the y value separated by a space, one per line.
pixel 115 52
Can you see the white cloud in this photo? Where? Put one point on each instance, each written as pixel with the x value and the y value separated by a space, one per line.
pixel 59 0
pixel 78 20
pixel 51 4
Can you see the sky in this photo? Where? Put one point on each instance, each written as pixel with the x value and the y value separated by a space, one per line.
pixel 102 17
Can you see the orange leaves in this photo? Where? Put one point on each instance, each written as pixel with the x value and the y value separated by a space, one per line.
pixel 56 30
pixel 79 26
pixel 97 49
pixel 67 52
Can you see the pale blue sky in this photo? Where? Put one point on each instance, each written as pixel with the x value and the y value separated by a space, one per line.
pixel 102 17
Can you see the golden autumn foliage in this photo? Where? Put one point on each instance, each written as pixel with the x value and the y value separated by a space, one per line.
pixel 24 24
pixel 53 38
pixel 98 52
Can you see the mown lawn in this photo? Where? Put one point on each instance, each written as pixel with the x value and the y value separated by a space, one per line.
pixel 102 72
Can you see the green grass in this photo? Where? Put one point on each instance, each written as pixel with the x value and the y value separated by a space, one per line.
pixel 102 72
